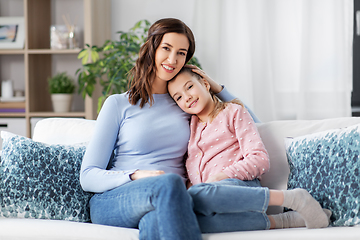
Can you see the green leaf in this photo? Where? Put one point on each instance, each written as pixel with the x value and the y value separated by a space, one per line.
pixel 61 83
pixel 94 56
pixel 101 100
pixel 82 53
pixel 89 89
pixel 85 58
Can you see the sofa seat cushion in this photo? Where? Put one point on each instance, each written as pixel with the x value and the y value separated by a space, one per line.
pixel 40 229
pixel 329 233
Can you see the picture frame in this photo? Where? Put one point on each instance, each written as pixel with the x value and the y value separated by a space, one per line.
pixel 12 32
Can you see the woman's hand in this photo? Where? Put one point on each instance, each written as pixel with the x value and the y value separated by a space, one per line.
pixel 217 177
pixel 145 173
pixel 214 86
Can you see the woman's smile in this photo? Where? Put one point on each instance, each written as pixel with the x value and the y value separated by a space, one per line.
pixel 168 68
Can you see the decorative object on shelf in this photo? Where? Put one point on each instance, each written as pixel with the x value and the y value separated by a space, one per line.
pixel 19 93
pixel 12 33
pixel 7 90
pixel 71 27
pixel 8 102
pixel 58 37
pixel 118 58
pixel 61 88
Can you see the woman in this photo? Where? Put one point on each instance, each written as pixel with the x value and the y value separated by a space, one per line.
pixel 145 134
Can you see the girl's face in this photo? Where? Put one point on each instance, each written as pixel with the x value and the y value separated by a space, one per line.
pixel 192 95
pixel 170 56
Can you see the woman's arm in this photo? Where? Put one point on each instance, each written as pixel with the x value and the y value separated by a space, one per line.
pixel 220 91
pixel 214 86
pixel 94 177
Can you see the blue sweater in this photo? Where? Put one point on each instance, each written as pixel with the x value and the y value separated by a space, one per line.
pixel 149 138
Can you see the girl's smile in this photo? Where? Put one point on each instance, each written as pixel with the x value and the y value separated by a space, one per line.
pixel 193 104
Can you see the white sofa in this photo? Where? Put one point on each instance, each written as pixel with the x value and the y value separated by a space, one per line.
pixel 71 131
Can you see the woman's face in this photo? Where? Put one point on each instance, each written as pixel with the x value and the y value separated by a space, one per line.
pixel 170 56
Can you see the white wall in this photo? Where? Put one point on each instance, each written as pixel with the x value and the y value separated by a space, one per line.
pixel 125 13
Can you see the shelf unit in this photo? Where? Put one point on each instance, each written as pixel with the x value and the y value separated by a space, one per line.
pixel 40 62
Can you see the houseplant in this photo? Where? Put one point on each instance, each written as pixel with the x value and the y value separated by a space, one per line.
pixel 110 63
pixel 61 88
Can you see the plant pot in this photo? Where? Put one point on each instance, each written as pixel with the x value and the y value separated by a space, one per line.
pixel 61 102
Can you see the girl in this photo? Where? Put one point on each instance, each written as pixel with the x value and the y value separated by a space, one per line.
pixel 134 163
pixel 226 158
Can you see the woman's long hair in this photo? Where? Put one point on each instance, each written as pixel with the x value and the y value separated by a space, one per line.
pixel 142 75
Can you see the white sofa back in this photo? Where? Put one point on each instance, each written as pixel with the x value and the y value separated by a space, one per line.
pixel 71 131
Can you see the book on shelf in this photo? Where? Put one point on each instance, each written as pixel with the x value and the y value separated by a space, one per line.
pixel 12 104
pixel 12 110
pixel 12 107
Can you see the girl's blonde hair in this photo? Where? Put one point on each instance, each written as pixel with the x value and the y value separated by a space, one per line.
pixel 219 105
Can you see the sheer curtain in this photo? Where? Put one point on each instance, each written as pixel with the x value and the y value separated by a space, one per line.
pixel 284 59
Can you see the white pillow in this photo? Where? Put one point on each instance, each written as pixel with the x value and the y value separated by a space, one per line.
pixel 63 130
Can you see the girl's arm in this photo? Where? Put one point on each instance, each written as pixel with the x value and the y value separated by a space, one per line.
pixel 220 91
pixel 255 158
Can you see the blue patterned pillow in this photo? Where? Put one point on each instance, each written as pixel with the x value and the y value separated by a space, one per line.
pixel 41 181
pixel 327 164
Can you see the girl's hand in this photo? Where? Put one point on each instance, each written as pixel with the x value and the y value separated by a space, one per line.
pixel 145 173
pixel 188 184
pixel 214 86
pixel 217 177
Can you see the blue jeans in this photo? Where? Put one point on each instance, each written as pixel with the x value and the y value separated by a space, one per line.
pixel 159 206
pixel 231 205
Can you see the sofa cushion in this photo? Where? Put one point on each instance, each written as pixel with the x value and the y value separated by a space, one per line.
pixel 327 164
pixel 63 130
pixel 273 135
pixel 41 181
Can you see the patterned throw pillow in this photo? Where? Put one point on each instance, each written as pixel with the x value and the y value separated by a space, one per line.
pixel 327 164
pixel 41 181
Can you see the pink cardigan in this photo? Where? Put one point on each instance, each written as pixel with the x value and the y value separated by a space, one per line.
pixel 230 143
